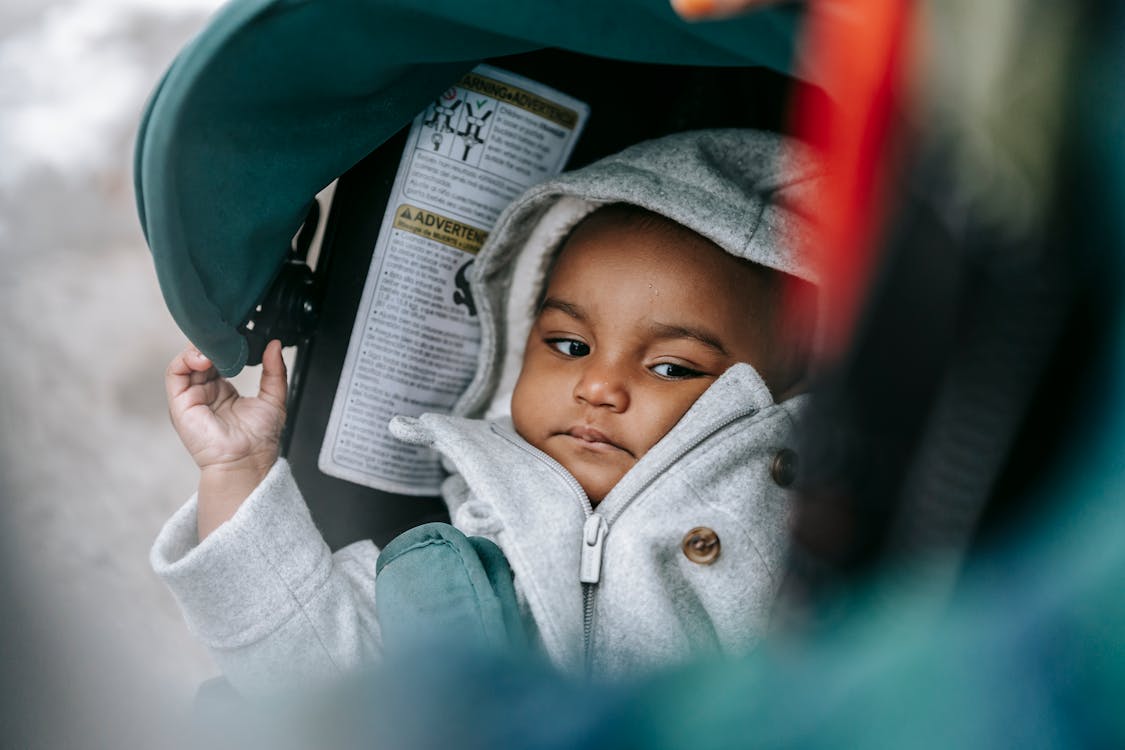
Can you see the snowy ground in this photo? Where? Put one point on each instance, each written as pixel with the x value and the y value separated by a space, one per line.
pixel 89 465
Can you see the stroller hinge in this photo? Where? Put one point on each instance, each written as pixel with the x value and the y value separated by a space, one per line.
pixel 290 306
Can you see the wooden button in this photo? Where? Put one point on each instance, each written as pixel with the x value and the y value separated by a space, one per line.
pixel 783 469
pixel 701 545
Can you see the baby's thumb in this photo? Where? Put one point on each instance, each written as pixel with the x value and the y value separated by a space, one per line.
pixel 273 387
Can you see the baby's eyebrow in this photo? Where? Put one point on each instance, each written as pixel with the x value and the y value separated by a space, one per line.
pixel 708 339
pixel 567 308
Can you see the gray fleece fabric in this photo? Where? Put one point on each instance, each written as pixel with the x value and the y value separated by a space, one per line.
pixel 652 605
pixel 275 606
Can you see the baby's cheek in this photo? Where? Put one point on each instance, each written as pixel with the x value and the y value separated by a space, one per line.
pixel 534 398
pixel 668 416
pixel 522 418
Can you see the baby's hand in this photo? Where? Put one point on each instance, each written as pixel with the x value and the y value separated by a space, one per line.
pixel 232 438
pixel 220 428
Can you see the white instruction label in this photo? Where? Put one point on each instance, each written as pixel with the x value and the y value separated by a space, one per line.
pixel 414 345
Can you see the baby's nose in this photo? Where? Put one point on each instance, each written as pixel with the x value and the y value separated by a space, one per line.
pixel 603 386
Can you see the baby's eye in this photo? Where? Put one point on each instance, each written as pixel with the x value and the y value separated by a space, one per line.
pixel 674 372
pixel 570 347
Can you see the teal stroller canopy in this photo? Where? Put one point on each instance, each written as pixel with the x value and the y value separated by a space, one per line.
pixel 277 98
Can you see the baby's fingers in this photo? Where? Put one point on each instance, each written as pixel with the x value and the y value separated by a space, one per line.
pixel 273 385
pixel 188 368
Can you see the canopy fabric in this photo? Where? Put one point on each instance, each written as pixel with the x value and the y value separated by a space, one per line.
pixel 277 98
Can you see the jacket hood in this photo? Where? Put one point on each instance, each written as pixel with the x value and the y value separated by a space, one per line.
pixel 750 192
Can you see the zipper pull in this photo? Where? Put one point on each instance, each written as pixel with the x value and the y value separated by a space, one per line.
pixel 593 542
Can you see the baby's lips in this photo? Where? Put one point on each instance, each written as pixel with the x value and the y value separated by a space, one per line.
pixel 593 435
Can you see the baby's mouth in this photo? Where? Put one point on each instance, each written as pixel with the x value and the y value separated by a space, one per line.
pixel 594 439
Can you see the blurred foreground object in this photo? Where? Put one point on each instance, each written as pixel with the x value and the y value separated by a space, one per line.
pixel 974 254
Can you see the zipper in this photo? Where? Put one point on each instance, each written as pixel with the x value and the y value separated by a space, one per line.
pixel 589 573
pixel 596 527
pixel 593 545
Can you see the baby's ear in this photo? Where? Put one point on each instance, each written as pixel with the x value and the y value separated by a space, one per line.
pixel 796 388
pixel 793 362
pixel 800 313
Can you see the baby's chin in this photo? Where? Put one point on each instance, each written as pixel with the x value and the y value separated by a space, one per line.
pixel 596 484
pixel 596 470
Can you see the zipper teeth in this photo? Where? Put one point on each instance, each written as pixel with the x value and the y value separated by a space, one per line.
pixel 576 488
pixel 588 593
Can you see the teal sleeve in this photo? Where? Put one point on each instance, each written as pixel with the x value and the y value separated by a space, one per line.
pixel 435 585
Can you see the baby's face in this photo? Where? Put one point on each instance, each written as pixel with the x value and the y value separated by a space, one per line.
pixel 636 323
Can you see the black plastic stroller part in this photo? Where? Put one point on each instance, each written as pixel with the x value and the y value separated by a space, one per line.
pixel 288 311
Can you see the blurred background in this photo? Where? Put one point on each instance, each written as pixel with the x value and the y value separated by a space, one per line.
pixel 89 464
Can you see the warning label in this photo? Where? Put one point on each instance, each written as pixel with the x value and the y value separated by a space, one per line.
pixel 416 336
pixel 439 228
pixel 539 105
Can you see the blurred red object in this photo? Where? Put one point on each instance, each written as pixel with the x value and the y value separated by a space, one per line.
pixel 860 49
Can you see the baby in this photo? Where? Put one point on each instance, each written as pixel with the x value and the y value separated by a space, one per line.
pixel 639 317
pixel 638 489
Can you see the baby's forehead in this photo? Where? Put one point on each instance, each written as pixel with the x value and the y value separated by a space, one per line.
pixel 731 295
pixel 618 241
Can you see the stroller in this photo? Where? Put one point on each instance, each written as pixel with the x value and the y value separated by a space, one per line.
pixel 932 439
pixel 252 283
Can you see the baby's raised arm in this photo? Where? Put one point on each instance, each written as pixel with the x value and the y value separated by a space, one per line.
pixel 276 607
pixel 233 439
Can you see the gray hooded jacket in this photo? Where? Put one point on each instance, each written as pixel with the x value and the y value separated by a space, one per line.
pixel 680 559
